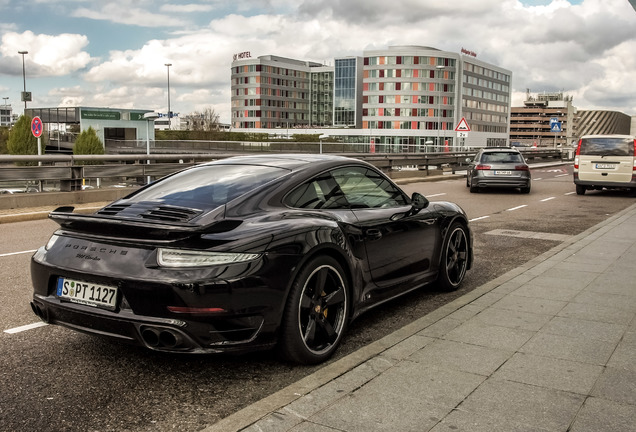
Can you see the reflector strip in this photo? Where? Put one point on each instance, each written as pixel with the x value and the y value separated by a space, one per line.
pixel 189 310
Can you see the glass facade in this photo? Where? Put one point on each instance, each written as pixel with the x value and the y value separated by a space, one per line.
pixel 345 92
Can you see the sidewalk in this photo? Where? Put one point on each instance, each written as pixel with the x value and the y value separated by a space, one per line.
pixel 549 346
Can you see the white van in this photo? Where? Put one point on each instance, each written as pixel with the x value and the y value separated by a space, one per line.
pixel 605 161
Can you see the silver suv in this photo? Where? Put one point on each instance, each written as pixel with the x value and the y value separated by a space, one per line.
pixel 498 167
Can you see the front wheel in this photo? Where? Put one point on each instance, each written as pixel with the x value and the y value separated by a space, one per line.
pixel 454 262
pixel 316 313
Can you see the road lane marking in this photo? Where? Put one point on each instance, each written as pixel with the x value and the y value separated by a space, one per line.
pixel 529 234
pixel 517 208
pixel 26 327
pixel 478 218
pixel 570 193
pixel 18 253
pixel 537 179
pixel 547 199
pixel 435 195
pixel 562 175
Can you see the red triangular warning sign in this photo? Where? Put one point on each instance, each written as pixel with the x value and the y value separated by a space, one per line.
pixel 462 126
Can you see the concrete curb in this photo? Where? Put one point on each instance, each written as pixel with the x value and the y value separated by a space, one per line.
pixel 258 410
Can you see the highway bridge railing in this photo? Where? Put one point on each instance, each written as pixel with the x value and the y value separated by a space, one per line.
pixel 70 172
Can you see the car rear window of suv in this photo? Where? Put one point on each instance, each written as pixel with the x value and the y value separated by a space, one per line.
pixel 502 157
pixel 607 146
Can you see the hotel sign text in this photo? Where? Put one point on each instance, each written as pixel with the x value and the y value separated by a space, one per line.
pixel 243 55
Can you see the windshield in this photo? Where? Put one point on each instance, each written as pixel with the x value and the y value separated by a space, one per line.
pixel 208 186
pixel 607 146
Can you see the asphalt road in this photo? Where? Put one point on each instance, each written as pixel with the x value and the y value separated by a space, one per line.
pixel 54 379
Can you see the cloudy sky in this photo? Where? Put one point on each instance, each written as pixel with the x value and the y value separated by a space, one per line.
pixel 112 53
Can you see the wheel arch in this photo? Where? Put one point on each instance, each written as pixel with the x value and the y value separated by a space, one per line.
pixel 335 252
pixel 446 224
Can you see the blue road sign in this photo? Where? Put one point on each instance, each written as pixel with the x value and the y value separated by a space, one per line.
pixel 553 120
pixel 555 127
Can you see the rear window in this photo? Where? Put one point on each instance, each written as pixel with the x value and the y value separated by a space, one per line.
pixel 502 157
pixel 607 146
pixel 208 186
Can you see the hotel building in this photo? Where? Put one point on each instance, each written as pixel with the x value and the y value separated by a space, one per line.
pixel 403 98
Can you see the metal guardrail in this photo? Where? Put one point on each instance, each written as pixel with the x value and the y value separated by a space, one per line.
pixel 70 170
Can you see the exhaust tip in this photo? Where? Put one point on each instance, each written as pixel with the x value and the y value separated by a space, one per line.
pixel 39 312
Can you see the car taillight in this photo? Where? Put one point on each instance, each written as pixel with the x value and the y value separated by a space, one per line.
pixel 482 167
pixel 522 168
pixel 578 152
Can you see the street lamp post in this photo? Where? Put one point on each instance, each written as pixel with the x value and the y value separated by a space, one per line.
pixel 24 79
pixel 322 137
pixel 169 116
pixel 439 109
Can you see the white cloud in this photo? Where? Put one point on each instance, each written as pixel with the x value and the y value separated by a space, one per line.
pixel 48 55
pixel 133 16
pixel 585 50
pixel 186 8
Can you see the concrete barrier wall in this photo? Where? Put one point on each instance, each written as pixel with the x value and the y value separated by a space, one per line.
pixel 41 199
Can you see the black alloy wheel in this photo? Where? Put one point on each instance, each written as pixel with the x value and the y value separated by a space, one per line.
pixel 316 312
pixel 454 261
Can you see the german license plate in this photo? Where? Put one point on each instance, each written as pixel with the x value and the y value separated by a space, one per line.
pixel 605 166
pixel 500 172
pixel 87 293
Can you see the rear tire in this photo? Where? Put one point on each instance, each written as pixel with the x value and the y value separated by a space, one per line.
pixel 454 260
pixel 316 313
pixel 580 190
pixel 526 190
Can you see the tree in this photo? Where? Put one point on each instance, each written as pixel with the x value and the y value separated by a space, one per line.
pixel 88 143
pixel 21 140
pixel 208 120
pixel 4 137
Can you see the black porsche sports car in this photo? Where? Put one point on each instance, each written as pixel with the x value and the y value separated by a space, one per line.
pixel 246 253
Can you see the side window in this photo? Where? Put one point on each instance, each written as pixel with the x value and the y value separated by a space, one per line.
pixel 306 196
pixel 319 193
pixel 365 188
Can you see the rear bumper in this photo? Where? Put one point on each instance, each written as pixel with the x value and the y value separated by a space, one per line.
pixel 605 184
pixel 160 334
pixel 502 183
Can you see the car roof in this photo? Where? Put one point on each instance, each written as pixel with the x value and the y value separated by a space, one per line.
pixel 608 136
pixel 498 149
pixel 287 161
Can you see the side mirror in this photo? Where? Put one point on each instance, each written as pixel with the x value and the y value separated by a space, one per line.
pixel 469 160
pixel 418 202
